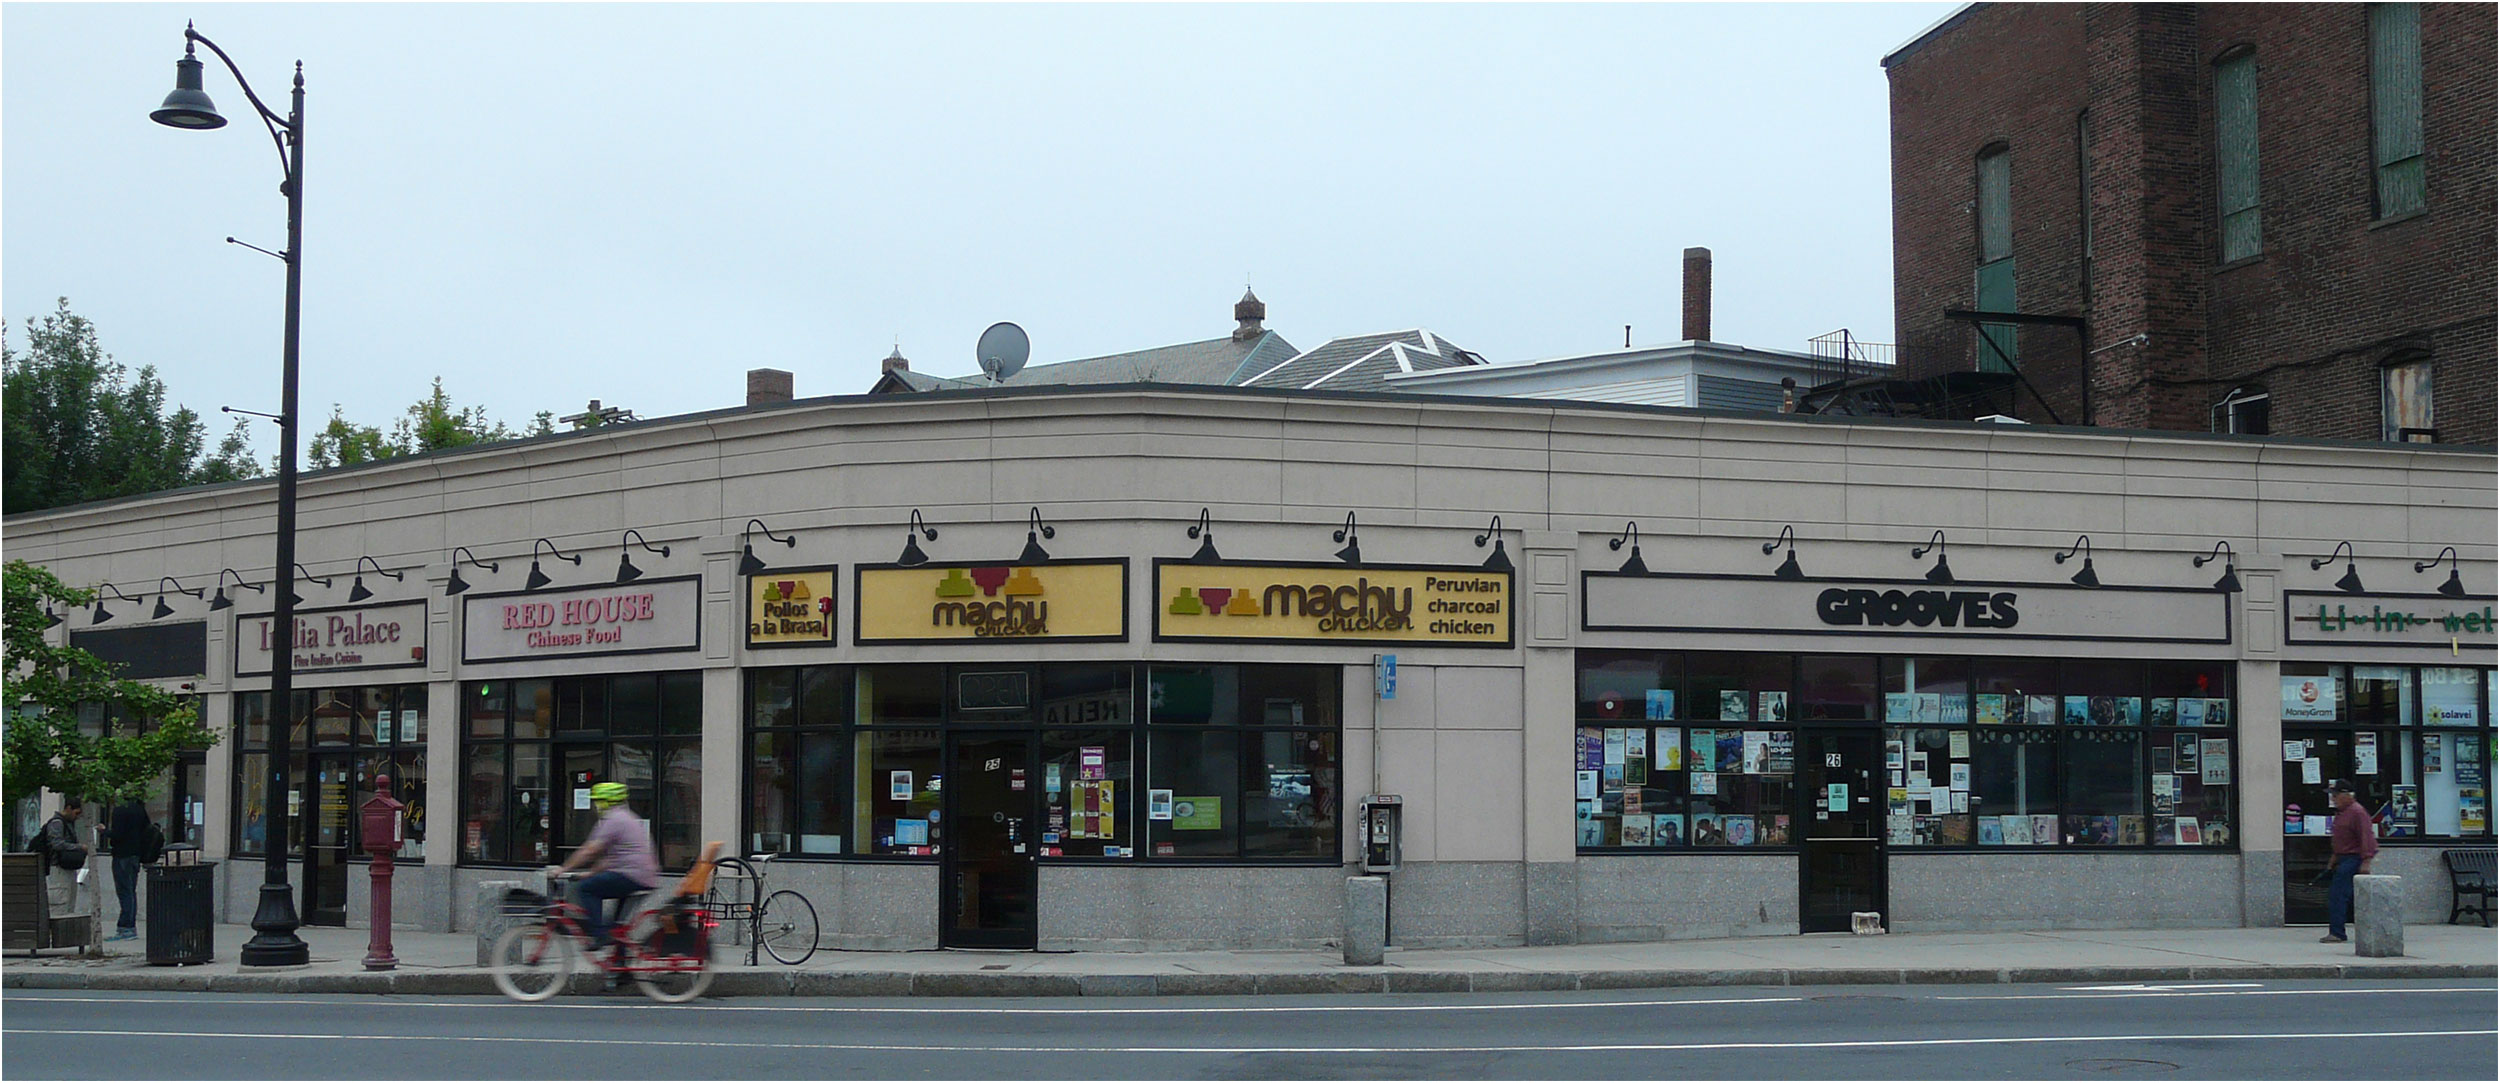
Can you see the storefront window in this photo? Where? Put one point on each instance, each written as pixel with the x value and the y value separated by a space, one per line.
pixel 2416 742
pixel 377 729
pixel 1979 752
pixel 533 748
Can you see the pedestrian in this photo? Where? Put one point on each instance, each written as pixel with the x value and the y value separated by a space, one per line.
pixel 65 859
pixel 132 836
pixel 2356 845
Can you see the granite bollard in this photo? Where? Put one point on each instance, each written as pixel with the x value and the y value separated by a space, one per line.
pixel 1366 919
pixel 486 912
pixel 2378 916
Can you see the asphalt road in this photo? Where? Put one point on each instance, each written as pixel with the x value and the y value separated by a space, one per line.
pixel 2283 1030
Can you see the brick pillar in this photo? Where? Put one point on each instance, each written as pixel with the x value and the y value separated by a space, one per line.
pixel 1696 294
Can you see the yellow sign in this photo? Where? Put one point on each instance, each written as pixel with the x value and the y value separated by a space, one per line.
pixel 1457 607
pixel 790 609
pixel 950 602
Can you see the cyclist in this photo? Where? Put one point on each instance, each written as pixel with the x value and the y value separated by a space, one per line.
pixel 621 851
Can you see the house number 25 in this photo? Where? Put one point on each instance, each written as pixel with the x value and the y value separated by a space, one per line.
pixel 1831 759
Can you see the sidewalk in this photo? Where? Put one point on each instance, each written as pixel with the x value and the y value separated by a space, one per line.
pixel 445 963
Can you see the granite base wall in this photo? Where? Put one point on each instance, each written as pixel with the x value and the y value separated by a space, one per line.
pixel 1998 892
pixel 2425 880
pixel 1102 908
pixel 1638 897
pixel 421 895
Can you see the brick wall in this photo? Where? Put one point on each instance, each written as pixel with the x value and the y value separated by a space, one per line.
pixel 2333 293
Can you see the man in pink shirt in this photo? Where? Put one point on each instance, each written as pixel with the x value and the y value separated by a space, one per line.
pixel 2356 844
pixel 626 861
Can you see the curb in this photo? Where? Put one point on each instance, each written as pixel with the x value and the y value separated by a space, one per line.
pixel 762 983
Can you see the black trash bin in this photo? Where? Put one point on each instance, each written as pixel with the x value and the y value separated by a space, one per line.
pixel 181 901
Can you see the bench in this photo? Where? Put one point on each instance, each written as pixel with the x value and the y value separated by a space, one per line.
pixel 2469 883
pixel 26 909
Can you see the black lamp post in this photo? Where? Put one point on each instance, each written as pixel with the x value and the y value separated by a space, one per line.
pixel 188 107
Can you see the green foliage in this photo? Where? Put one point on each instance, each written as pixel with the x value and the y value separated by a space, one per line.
pixel 431 424
pixel 43 747
pixel 77 426
pixel 345 443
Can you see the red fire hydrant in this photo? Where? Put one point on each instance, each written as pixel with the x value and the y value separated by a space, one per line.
pixel 383 822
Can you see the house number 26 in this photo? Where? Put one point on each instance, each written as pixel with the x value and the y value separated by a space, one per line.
pixel 1831 759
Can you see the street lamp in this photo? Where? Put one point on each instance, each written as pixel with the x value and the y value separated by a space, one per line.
pixel 188 107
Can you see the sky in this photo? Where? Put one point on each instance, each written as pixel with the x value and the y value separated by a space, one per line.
pixel 547 204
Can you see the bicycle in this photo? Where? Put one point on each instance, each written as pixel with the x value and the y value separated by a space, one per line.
pixel 782 923
pixel 666 949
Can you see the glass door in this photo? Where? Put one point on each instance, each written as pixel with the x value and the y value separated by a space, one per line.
pixel 326 838
pixel 986 879
pixel 1841 830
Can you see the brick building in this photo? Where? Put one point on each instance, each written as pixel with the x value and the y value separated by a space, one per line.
pixel 2273 218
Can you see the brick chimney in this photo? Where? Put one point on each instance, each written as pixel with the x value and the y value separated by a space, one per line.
pixel 895 362
pixel 767 386
pixel 1697 295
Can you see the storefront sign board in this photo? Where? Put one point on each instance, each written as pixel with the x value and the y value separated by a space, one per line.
pixel 389 636
pixel 1064 600
pixel 644 617
pixel 141 652
pixel 791 607
pixel 1333 603
pixel 1763 605
pixel 2333 618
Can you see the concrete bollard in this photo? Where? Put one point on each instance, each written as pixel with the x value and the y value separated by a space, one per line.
pixel 1366 919
pixel 2378 916
pixel 486 913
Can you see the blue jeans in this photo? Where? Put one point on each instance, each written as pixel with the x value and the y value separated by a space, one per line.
pixel 126 889
pixel 594 893
pixel 2339 894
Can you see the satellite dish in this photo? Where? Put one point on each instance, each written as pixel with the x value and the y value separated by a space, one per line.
pixel 1002 351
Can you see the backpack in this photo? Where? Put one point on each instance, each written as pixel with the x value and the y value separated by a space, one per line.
pixel 151 845
pixel 69 857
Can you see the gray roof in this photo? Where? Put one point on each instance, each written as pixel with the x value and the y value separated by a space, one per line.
pixel 1214 361
pixel 1362 362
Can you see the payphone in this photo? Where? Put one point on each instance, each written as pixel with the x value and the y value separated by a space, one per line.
pixel 1381 813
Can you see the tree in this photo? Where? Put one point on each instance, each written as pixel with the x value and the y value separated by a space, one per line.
pixel 431 424
pixel 345 443
pixel 77 426
pixel 44 748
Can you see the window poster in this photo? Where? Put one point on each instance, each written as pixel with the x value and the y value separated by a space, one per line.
pixel 1614 746
pixel 2433 747
pixel 2295 751
pixel 1089 763
pixel 1635 744
pixel 1893 757
pixel 2130 710
pixel 2185 760
pixel 1666 829
pixel 1731 749
pixel 1158 804
pixel 1732 706
pixel 2217 712
pixel 2043 710
pixel 1592 830
pixel 1592 749
pixel 1960 776
pixel 1991 831
pixel 1588 785
pixel 1635 769
pixel 2161 757
pixel 2017 830
pixel 1635 829
pixel 2472 810
pixel 1705 749
pixel 2044 830
pixel 2448 697
pixel 2470 760
pixel 1705 784
pixel 1781 759
pixel 1670 748
pixel 1900 707
pixel 1632 802
pixel 1956 710
pixel 2078 711
pixel 1897 830
pixel 2216 766
pixel 2162 712
pixel 1961 801
pixel 1897 801
pixel 2191 712
pixel 1050 778
pixel 898 786
pixel 1931 707
pixel 911 832
pixel 1094 804
pixel 2310 699
pixel 2365 753
pixel 1706 830
pixel 1756 755
pixel 1660 706
pixel 1836 797
pixel 1738 829
pixel 1989 709
pixel 1773 707
pixel 1957 745
pixel 2404 810
pixel 2191 833
pixel 2313 772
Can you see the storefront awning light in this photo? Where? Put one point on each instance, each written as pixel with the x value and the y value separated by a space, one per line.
pixel 1352 553
pixel 2084 578
pixel 625 570
pixel 1788 568
pixel 1204 531
pixel 1035 530
pixel 458 584
pixel 357 592
pixel 1631 565
pixel 2230 581
pixel 748 564
pixel 295 599
pixel 2455 586
pixel 1940 573
pixel 912 556
pixel 2351 582
pixel 538 578
pixel 164 608
pixel 1498 561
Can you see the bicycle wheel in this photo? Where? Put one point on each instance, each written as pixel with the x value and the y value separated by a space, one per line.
pixel 531 962
pixel 671 960
pixel 788 922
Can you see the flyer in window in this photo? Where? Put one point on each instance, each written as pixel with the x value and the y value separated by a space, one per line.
pixel 2365 753
pixel 2433 745
pixel 1959 776
pixel 1635 744
pixel 2042 712
pixel 1705 784
pixel 1632 801
pixel 2404 810
pixel 1592 749
pixel 2470 760
pixel 2184 761
pixel 1957 745
pixel 1961 800
pixel 1989 709
pixel 1636 770
pixel 1897 830
pixel 1089 763
pixel 1901 707
pixel 1755 757
pixel 2163 712
pixel 1732 706
pixel 1659 705
pixel 1666 829
pixel 1158 805
pixel 1705 749
pixel 1731 750
pixel 1781 759
pixel 1956 710
pixel 1635 829
pixel 2044 830
pixel 898 786
pixel 1670 748
pixel 1991 831
pixel 2191 833
pixel 2217 712
pixel 1931 707
pixel 1738 829
pixel 1894 759
pixel 2472 814
pixel 1588 785
pixel 2310 699
pixel 2017 830
pixel 1614 746
pixel 2295 751
pixel 2216 768
pixel 1773 707
pixel 1897 801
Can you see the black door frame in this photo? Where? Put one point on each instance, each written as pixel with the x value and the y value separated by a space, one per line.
pixel 951 850
pixel 316 870
pixel 1811 798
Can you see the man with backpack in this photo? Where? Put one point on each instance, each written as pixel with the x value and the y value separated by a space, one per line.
pixel 136 841
pixel 64 857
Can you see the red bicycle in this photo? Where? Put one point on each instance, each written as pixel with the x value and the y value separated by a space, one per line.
pixel 666 948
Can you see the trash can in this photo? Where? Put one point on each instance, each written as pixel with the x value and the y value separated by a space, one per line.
pixel 182 892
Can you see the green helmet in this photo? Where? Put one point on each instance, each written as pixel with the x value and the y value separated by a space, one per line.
pixel 608 793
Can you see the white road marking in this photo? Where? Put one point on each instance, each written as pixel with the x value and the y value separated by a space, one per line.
pixel 1237 1050
pixel 870 1009
pixel 2120 994
pixel 2168 988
